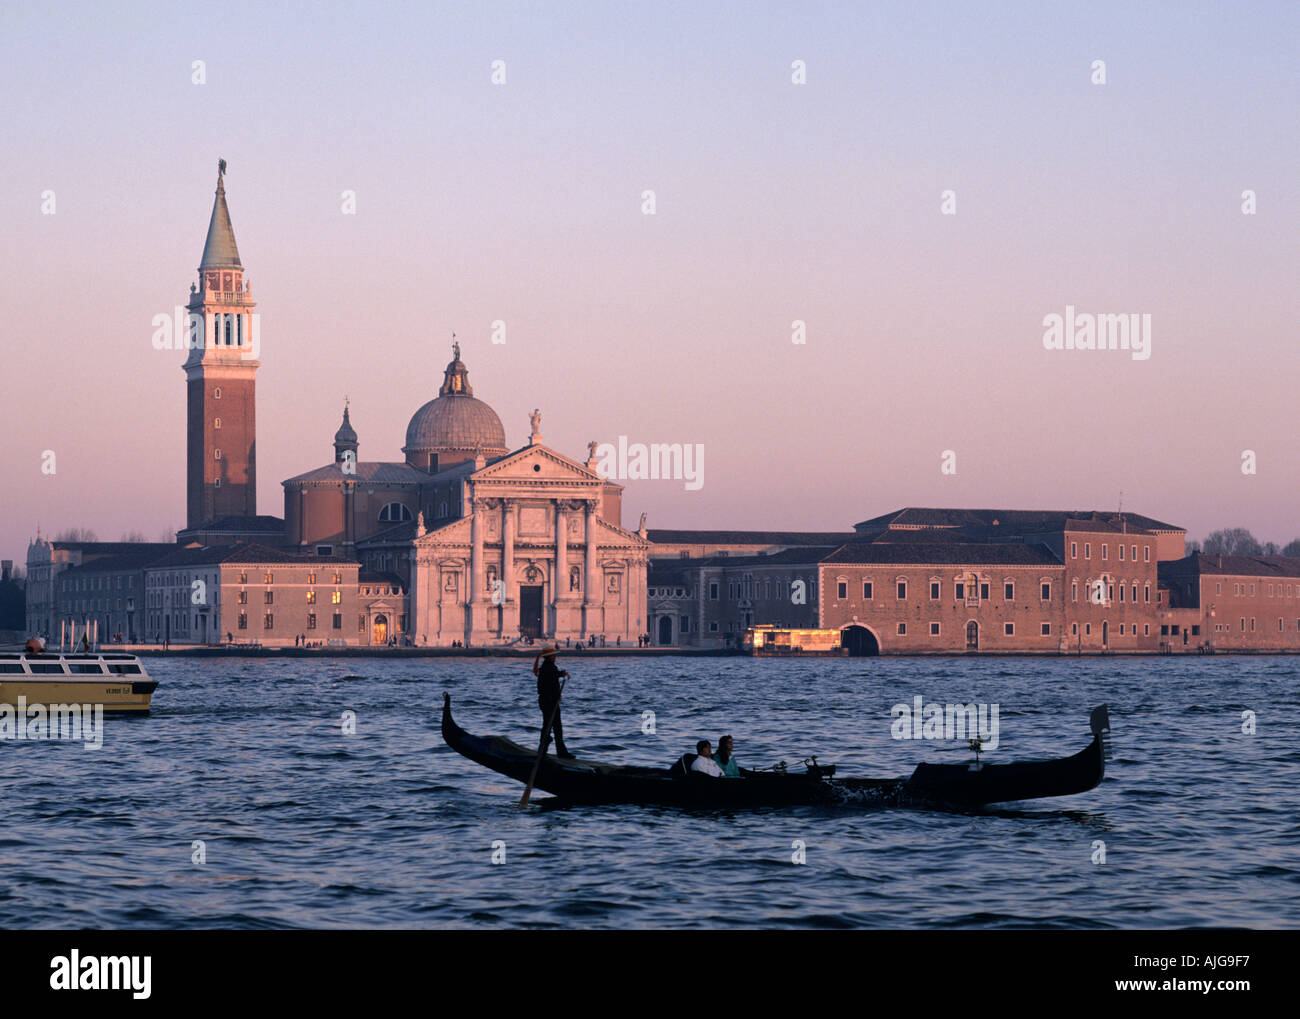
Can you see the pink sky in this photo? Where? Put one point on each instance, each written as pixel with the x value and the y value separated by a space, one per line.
pixel 775 202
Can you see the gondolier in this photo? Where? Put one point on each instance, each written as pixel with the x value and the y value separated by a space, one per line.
pixel 548 695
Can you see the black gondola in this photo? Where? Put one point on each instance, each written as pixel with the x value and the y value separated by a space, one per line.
pixel 936 785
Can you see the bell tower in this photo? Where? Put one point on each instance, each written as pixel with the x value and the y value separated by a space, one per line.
pixel 221 479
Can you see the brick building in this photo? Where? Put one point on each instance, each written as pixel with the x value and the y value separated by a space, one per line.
pixel 1231 603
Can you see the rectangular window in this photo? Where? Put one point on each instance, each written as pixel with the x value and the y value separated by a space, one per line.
pixel 1146 629
pixel 934 590
pixel 1045 592
pixel 243 620
pixel 311 597
pixel 1087 550
pixel 959 591
pixel 1121 553
pixel 243 578
pixel 243 598
pixel 902 629
pixel 1046 630
pixel 842 589
pixel 984 592
pixel 1009 591
pixel 713 627
pixel 338 620
pixel 934 629
pixel 685 624
pixel 1074 591
pixel 1135 553
pixel 268 578
pixel 1074 550
pixel 336 598
pixel 311 620
pixel 713 590
pixel 268 621
pixel 1146 593
pixel 268 597
pixel 866 590
pixel 1121 592
pixel 1104 549
pixel 902 589
pixel 311 578
pixel 1146 553
pixel 1074 629
pixel 1008 629
pixel 338 578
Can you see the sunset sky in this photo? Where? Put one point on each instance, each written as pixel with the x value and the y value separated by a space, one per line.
pixel 775 202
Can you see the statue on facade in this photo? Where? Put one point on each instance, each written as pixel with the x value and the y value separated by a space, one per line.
pixel 419 525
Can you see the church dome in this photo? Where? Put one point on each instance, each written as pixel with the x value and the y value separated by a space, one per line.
pixel 454 426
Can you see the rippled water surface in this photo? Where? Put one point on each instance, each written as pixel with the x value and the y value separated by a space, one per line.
pixel 307 827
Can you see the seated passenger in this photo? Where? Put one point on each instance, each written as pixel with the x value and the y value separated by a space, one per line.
pixel 726 757
pixel 704 762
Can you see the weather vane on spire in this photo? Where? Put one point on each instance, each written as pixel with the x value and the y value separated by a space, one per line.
pixel 221 167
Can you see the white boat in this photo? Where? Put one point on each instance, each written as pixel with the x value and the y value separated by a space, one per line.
pixel 118 681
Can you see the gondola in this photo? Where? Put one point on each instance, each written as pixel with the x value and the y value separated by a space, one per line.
pixel 951 786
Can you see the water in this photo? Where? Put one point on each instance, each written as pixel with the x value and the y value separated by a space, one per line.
pixel 307 827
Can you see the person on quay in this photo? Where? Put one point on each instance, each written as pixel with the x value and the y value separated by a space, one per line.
pixel 548 696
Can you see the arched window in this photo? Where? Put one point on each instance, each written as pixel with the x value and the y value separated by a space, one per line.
pixel 394 513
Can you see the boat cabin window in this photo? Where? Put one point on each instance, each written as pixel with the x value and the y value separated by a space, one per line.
pixel 124 670
pixel 46 668
pixel 10 667
pixel 79 669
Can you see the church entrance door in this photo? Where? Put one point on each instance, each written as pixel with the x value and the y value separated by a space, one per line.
pixel 380 633
pixel 530 610
pixel 665 630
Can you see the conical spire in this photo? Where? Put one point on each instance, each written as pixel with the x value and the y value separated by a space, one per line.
pixel 345 439
pixel 220 250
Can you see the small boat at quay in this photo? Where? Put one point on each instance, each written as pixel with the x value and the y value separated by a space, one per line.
pixel 118 681
pixel 944 786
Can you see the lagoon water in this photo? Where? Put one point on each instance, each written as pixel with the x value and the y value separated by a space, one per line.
pixel 304 826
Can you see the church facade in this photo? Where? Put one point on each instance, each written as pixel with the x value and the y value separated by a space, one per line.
pixel 490 544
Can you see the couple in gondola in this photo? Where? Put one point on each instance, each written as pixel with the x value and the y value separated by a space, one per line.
pixel 723 765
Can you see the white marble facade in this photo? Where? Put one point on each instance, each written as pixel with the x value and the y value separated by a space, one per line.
pixel 499 572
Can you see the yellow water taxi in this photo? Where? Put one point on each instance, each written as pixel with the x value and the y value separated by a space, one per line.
pixel 118 681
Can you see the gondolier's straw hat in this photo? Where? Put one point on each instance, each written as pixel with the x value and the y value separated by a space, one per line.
pixel 548 650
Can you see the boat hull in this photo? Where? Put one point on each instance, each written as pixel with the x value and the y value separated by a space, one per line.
pixel 953 786
pixel 118 696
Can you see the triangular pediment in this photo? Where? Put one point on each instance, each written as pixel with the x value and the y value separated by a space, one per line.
pixel 519 467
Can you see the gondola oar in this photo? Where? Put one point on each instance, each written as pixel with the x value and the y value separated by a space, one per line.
pixel 541 747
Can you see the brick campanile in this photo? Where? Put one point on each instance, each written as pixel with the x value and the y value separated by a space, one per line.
pixel 220 372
